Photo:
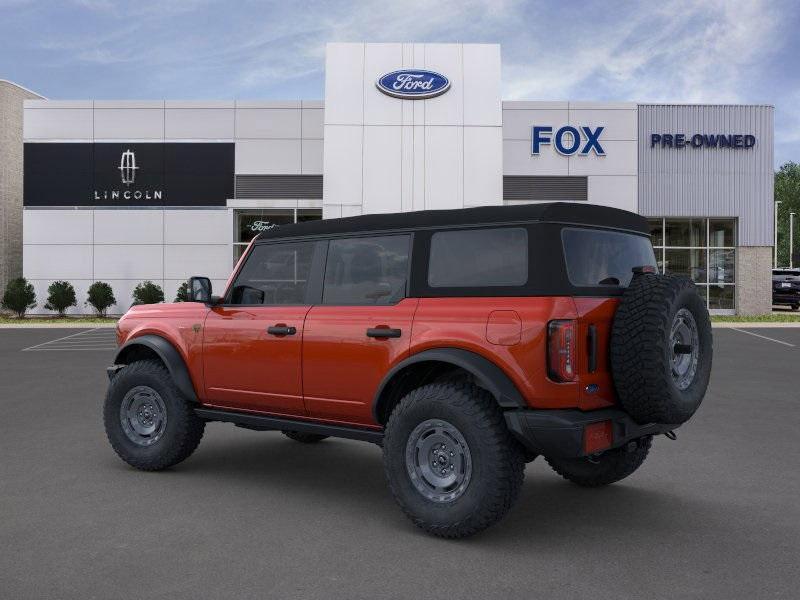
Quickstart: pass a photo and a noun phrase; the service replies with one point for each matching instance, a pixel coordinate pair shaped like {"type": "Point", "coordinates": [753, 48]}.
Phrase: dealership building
{"type": "Point", "coordinates": [127, 191]}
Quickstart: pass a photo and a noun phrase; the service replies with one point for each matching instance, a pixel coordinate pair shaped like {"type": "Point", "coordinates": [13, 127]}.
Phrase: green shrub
{"type": "Point", "coordinates": [60, 296]}
{"type": "Point", "coordinates": [148, 292]}
{"type": "Point", "coordinates": [100, 297]}
{"type": "Point", "coordinates": [183, 293]}
{"type": "Point", "coordinates": [19, 296]}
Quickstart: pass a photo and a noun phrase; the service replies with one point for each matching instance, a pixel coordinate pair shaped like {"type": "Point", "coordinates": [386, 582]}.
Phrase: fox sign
{"type": "Point", "coordinates": [568, 140]}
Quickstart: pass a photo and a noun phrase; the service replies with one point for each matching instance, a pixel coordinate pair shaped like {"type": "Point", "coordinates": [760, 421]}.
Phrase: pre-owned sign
{"type": "Point", "coordinates": [702, 140]}
{"type": "Point", "coordinates": [128, 174]}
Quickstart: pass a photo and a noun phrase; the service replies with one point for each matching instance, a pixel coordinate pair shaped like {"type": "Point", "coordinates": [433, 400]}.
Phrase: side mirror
{"type": "Point", "coordinates": [200, 290]}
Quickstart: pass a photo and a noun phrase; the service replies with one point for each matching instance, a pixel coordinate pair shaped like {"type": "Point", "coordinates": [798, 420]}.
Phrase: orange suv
{"type": "Point", "coordinates": [464, 342]}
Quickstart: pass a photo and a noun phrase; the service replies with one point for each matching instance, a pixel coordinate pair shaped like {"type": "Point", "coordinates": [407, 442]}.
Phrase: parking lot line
{"type": "Point", "coordinates": [91, 339]}
{"type": "Point", "coordinates": [763, 337]}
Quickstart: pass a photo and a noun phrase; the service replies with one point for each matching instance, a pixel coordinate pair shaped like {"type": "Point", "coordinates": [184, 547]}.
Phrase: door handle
{"type": "Point", "coordinates": [281, 330]}
{"type": "Point", "coordinates": [383, 332]}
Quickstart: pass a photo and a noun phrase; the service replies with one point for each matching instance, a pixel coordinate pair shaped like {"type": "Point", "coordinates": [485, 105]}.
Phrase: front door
{"type": "Point", "coordinates": [360, 330]}
{"type": "Point", "coordinates": [252, 343]}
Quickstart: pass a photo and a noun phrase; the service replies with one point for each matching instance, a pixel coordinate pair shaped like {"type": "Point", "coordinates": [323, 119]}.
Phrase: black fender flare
{"type": "Point", "coordinates": [489, 375]}
{"type": "Point", "coordinates": [171, 358]}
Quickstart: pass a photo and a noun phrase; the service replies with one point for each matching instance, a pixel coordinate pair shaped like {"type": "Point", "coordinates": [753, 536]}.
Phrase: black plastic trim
{"type": "Point", "coordinates": [169, 355]}
{"type": "Point", "coordinates": [489, 375]}
{"type": "Point", "coordinates": [264, 422]}
{"type": "Point", "coordinates": [559, 432]}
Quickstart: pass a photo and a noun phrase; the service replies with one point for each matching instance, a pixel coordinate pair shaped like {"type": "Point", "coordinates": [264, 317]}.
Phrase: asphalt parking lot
{"type": "Point", "coordinates": [255, 515]}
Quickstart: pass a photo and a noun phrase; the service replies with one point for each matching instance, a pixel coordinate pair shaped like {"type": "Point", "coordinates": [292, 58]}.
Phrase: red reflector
{"type": "Point", "coordinates": [598, 436]}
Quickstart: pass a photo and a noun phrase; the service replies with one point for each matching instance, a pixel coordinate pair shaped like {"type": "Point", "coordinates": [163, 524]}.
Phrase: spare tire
{"type": "Point", "coordinates": [661, 349]}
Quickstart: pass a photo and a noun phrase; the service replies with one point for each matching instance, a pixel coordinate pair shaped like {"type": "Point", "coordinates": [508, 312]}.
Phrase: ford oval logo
{"type": "Point", "coordinates": [413, 84]}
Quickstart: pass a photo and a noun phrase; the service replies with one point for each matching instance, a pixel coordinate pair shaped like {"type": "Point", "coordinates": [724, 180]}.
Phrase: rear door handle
{"type": "Point", "coordinates": [383, 332]}
{"type": "Point", "coordinates": [281, 330]}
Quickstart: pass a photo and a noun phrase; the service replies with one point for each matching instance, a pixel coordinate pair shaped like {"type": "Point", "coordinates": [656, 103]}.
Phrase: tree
{"type": "Point", "coordinates": [148, 292]}
{"type": "Point", "coordinates": [19, 296]}
{"type": "Point", "coordinates": [787, 191]}
{"type": "Point", "coordinates": [100, 297]}
{"type": "Point", "coordinates": [183, 293]}
{"type": "Point", "coordinates": [60, 296]}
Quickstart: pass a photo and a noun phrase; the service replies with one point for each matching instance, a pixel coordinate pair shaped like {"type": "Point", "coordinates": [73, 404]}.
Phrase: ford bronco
{"type": "Point", "coordinates": [463, 342]}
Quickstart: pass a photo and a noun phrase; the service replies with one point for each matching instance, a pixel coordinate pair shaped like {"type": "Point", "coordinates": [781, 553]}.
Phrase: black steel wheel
{"type": "Point", "coordinates": [451, 463]}
{"type": "Point", "coordinates": [148, 422]}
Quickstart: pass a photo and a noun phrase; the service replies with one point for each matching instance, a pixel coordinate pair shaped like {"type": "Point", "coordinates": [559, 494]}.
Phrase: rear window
{"type": "Point", "coordinates": [479, 258]}
{"type": "Point", "coordinates": [783, 273]}
{"type": "Point", "coordinates": [599, 258]}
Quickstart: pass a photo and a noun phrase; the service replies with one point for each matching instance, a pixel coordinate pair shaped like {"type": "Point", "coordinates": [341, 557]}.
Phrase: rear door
{"type": "Point", "coordinates": [361, 329]}
{"type": "Point", "coordinates": [252, 343]}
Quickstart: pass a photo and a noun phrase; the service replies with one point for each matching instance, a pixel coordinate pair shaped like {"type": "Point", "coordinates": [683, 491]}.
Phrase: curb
{"type": "Point", "coordinates": [756, 325]}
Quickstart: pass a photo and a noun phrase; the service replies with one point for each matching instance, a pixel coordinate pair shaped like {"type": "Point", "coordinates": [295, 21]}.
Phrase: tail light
{"type": "Point", "coordinates": [561, 350]}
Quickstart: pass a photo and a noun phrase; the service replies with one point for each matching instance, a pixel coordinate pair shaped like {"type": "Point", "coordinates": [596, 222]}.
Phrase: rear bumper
{"type": "Point", "coordinates": [560, 432]}
{"type": "Point", "coordinates": [785, 298]}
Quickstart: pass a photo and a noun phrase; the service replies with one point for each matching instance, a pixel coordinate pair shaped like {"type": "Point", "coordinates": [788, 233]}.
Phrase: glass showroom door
{"type": "Point", "coordinates": [249, 223]}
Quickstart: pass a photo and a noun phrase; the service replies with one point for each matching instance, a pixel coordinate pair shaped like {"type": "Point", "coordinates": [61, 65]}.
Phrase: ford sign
{"type": "Point", "coordinates": [413, 84]}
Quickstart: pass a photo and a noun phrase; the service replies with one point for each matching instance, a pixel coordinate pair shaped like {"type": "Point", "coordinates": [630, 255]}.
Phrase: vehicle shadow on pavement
{"type": "Point", "coordinates": [349, 475]}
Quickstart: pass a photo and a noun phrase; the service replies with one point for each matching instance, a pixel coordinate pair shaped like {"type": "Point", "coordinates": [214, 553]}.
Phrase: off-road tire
{"type": "Point", "coordinates": [305, 438]}
{"type": "Point", "coordinates": [497, 462]}
{"type": "Point", "coordinates": [183, 429]}
{"type": "Point", "coordinates": [609, 467]}
{"type": "Point", "coordinates": [641, 349]}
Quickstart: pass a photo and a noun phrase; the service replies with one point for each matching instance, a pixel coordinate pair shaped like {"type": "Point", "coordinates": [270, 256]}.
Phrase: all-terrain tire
{"type": "Point", "coordinates": [305, 438]}
{"type": "Point", "coordinates": [609, 467]}
{"type": "Point", "coordinates": [182, 430]}
{"type": "Point", "coordinates": [642, 349]}
{"type": "Point", "coordinates": [497, 465]}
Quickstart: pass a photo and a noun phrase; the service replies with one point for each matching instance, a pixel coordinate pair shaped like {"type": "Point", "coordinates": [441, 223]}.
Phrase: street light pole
{"type": "Point", "coordinates": [791, 238]}
{"type": "Point", "coordinates": [777, 202]}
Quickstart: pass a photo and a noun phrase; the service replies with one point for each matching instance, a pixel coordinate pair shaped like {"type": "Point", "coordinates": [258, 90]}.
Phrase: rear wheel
{"type": "Point", "coordinates": [451, 464]}
{"type": "Point", "coordinates": [795, 306]}
{"type": "Point", "coordinates": [305, 438]}
{"type": "Point", "coordinates": [150, 425]}
{"type": "Point", "coordinates": [609, 467]}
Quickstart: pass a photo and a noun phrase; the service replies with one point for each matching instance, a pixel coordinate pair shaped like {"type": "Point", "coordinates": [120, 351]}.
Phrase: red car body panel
{"type": "Point", "coordinates": [342, 367]}
{"type": "Point", "coordinates": [330, 370]}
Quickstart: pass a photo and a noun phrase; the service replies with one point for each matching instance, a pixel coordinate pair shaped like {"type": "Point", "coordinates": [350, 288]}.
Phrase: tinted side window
{"type": "Point", "coordinates": [369, 270]}
{"type": "Point", "coordinates": [597, 258]}
{"type": "Point", "coordinates": [274, 274]}
{"type": "Point", "coordinates": [479, 258]}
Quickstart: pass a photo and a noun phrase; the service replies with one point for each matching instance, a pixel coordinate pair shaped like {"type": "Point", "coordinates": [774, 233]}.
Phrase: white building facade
{"type": "Point", "coordinates": [124, 192]}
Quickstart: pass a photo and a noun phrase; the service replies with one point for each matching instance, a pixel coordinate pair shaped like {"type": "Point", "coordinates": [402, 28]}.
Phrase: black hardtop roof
{"type": "Point", "coordinates": [548, 212]}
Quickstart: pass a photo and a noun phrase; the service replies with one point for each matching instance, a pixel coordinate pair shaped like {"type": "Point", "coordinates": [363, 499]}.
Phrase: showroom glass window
{"type": "Point", "coordinates": [249, 223]}
{"type": "Point", "coordinates": [702, 249]}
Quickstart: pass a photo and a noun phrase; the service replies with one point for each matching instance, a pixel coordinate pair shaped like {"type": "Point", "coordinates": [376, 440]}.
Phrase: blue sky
{"type": "Point", "coordinates": [669, 50]}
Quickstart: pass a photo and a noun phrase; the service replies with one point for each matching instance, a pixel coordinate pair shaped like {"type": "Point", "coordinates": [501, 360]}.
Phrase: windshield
{"type": "Point", "coordinates": [598, 258]}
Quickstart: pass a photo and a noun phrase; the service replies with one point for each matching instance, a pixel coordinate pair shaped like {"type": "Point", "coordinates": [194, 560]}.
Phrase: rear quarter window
{"type": "Point", "coordinates": [597, 258]}
{"type": "Point", "coordinates": [478, 258]}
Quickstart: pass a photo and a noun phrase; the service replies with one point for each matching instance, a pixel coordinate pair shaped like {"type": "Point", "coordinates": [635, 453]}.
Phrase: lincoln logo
{"type": "Point", "coordinates": [413, 84]}
{"type": "Point", "coordinates": [127, 174]}
{"type": "Point", "coordinates": [127, 167]}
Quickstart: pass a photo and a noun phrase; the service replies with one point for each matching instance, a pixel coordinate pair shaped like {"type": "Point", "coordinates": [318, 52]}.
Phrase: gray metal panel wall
{"type": "Point", "coordinates": [544, 187]}
{"type": "Point", "coordinates": [709, 182]}
{"type": "Point", "coordinates": [308, 187]}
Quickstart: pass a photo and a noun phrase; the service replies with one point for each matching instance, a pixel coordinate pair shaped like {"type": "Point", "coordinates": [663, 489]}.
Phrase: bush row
{"type": "Point", "coordinates": [20, 296]}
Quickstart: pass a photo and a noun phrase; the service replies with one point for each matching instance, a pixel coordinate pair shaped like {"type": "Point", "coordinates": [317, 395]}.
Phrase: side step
{"type": "Point", "coordinates": [262, 422]}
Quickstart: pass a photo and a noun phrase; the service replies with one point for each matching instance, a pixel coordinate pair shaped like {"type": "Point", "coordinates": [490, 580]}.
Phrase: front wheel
{"type": "Point", "coordinates": [451, 464]}
{"type": "Point", "coordinates": [149, 423]}
{"type": "Point", "coordinates": [609, 467]}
